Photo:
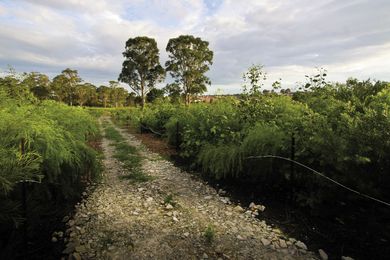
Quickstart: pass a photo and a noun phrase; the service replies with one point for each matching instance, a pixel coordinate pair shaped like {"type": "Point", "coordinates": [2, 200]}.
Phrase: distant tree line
{"type": "Point", "coordinates": [67, 87]}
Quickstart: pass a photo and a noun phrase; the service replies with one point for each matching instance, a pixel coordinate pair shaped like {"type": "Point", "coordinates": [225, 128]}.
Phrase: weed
{"type": "Point", "coordinates": [137, 176]}
{"type": "Point", "coordinates": [209, 234]}
{"type": "Point", "coordinates": [169, 200]}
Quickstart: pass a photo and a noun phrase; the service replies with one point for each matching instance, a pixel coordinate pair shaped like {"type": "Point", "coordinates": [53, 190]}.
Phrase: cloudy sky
{"type": "Point", "coordinates": [349, 38]}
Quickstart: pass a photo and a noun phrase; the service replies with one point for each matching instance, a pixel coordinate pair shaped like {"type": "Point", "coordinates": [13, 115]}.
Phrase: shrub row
{"type": "Point", "coordinates": [49, 145]}
{"type": "Point", "coordinates": [341, 130]}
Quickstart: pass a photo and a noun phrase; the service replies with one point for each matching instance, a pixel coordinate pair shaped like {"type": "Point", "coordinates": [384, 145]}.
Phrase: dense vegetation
{"type": "Point", "coordinates": [46, 159]}
{"type": "Point", "coordinates": [341, 130]}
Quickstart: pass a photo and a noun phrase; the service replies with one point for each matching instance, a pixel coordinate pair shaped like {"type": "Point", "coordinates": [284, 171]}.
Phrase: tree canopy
{"type": "Point", "coordinates": [189, 60]}
{"type": "Point", "coordinates": [70, 80]}
{"type": "Point", "coordinates": [141, 68]}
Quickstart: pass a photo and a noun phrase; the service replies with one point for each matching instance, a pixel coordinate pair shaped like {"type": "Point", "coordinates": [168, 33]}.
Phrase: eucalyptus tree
{"type": "Point", "coordinates": [38, 83]}
{"type": "Point", "coordinates": [85, 93]}
{"type": "Point", "coordinates": [65, 84]}
{"type": "Point", "coordinates": [141, 69]}
{"type": "Point", "coordinates": [104, 93]}
{"type": "Point", "coordinates": [189, 59]}
{"type": "Point", "coordinates": [118, 94]}
{"type": "Point", "coordinates": [56, 86]}
{"type": "Point", "coordinates": [72, 79]}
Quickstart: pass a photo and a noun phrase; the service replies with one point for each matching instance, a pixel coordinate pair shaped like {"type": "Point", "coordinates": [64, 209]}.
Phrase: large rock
{"type": "Point", "coordinates": [239, 209]}
{"type": "Point", "coordinates": [282, 243]}
{"type": "Point", "coordinates": [225, 200]}
{"type": "Point", "coordinates": [265, 242]}
{"type": "Point", "coordinates": [255, 207]}
{"type": "Point", "coordinates": [301, 245]}
{"type": "Point", "coordinates": [221, 192]}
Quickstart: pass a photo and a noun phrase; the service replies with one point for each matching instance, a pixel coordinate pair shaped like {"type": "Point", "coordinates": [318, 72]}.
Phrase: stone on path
{"type": "Point", "coordinates": [323, 255]}
{"type": "Point", "coordinates": [301, 245]}
{"type": "Point", "coordinates": [239, 209]}
{"type": "Point", "coordinates": [265, 242]}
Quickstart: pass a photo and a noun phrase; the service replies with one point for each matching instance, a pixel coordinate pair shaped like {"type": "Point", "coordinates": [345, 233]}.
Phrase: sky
{"type": "Point", "coordinates": [290, 38]}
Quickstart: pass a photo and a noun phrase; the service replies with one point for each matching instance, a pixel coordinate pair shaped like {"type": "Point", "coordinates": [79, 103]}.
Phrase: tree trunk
{"type": "Point", "coordinates": [186, 94]}
{"type": "Point", "coordinates": [143, 94]}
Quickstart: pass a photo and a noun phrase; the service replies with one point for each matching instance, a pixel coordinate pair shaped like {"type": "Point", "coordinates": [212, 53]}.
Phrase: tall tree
{"type": "Point", "coordinates": [65, 85]}
{"type": "Point", "coordinates": [118, 94]}
{"type": "Point", "coordinates": [11, 83]}
{"type": "Point", "coordinates": [141, 68]}
{"type": "Point", "coordinates": [104, 94]}
{"type": "Point", "coordinates": [85, 93]}
{"type": "Point", "coordinates": [39, 84]}
{"type": "Point", "coordinates": [189, 60]}
{"type": "Point", "coordinates": [59, 92]}
{"type": "Point", "coordinates": [72, 79]}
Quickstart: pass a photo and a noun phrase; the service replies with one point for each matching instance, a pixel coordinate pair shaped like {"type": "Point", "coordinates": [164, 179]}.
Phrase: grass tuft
{"type": "Point", "coordinates": [209, 234]}
{"type": "Point", "coordinates": [169, 200]}
{"type": "Point", "coordinates": [128, 155]}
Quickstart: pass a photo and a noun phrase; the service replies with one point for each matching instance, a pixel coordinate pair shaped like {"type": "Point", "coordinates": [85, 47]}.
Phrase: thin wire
{"type": "Point", "coordinates": [322, 175]}
{"type": "Point", "coordinates": [30, 181]}
{"type": "Point", "coordinates": [154, 132]}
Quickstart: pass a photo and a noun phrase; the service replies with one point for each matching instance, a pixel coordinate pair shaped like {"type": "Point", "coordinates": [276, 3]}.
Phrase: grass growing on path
{"type": "Point", "coordinates": [128, 155]}
{"type": "Point", "coordinates": [113, 134]}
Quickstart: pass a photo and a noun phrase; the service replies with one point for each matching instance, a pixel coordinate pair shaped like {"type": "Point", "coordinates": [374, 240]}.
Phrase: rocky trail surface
{"type": "Point", "coordinates": [172, 216]}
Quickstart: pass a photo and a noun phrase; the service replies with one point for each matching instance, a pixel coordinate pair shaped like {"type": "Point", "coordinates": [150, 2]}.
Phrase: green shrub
{"type": "Point", "coordinates": [54, 139]}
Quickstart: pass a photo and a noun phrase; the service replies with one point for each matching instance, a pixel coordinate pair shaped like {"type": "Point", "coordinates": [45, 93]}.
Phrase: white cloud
{"type": "Point", "coordinates": [349, 38]}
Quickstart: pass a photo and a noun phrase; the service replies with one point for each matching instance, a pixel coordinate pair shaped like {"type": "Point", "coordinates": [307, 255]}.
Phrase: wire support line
{"type": "Point", "coordinates": [153, 131]}
{"type": "Point", "coordinates": [321, 175]}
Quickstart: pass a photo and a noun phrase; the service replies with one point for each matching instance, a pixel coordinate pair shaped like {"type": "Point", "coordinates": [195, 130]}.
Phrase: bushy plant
{"type": "Point", "coordinates": [338, 129]}
{"type": "Point", "coordinates": [48, 142]}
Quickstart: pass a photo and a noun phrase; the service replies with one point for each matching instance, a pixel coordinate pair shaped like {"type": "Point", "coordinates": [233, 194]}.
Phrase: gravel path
{"type": "Point", "coordinates": [173, 216]}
